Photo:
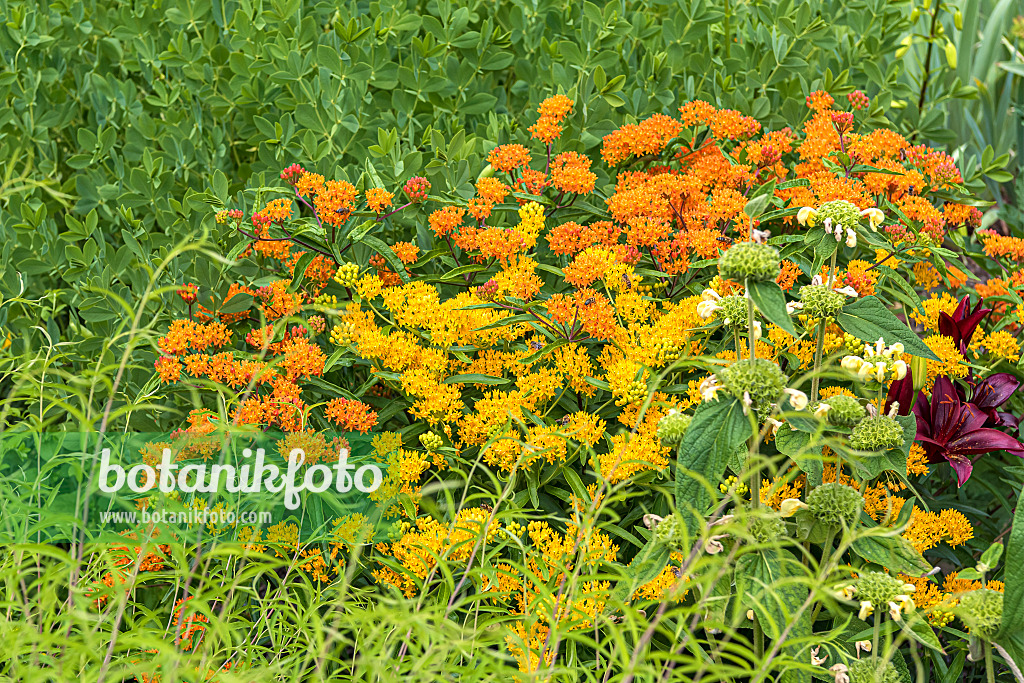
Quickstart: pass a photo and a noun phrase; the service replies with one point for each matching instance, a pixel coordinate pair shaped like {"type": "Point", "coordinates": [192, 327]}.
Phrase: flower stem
{"type": "Point", "coordinates": [990, 670]}
{"type": "Point", "coordinates": [818, 352]}
{"type": "Point", "coordinates": [750, 326]}
{"type": "Point", "coordinates": [875, 633]}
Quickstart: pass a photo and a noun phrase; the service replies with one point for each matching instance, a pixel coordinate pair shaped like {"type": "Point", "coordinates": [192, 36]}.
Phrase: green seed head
{"type": "Point", "coordinates": [734, 310]}
{"type": "Point", "coordinates": [766, 529]}
{"type": "Point", "coordinates": [835, 504]}
{"type": "Point", "coordinates": [981, 611]}
{"type": "Point", "coordinates": [878, 433]}
{"type": "Point", "coordinates": [673, 426]}
{"type": "Point", "coordinates": [762, 379]}
{"type": "Point", "coordinates": [846, 411]}
{"type": "Point", "coordinates": [750, 261]}
{"type": "Point", "coordinates": [872, 671]}
{"type": "Point", "coordinates": [878, 588]}
{"type": "Point", "coordinates": [841, 212]}
{"type": "Point", "coordinates": [820, 301]}
{"type": "Point", "coordinates": [671, 531]}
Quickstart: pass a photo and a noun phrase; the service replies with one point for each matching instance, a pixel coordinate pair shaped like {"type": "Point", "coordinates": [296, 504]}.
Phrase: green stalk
{"type": "Point", "coordinates": [875, 634]}
{"type": "Point", "coordinates": [755, 492]}
{"type": "Point", "coordinates": [819, 350]}
{"type": "Point", "coordinates": [750, 326]}
{"type": "Point", "coordinates": [990, 670]}
{"type": "Point", "coordinates": [758, 639]}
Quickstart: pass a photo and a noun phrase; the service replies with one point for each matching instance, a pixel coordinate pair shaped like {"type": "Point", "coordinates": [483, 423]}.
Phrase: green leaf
{"type": "Point", "coordinates": [389, 255]}
{"type": "Point", "coordinates": [918, 628]}
{"type": "Point", "coordinates": [236, 304]}
{"type": "Point", "coordinates": [1013, 597]}
{"type": "Point", "coordinates": [797, 445]}
{"type": "Point", "coordinates": [473, 378]}
{"type": "Point", "coordinates": [299, 272]}
{"type": "Point", "coordinates": [771, 301]}
{"type": "Point", "coordinates": [892, 552]}
{"type": "Point", "coordinates": [644, 567]}
{"type": "Point", "coordinates": [868, 320]}
{"type": "Point", "coordinates": [765, 580]}
{"type": "Point", "coordinates": [717, 430]}
{"type": "Point", "coordinates": [534, 357]}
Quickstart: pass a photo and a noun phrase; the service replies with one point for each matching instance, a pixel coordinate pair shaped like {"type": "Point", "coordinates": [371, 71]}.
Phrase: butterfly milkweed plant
{"type": "Point", "coordinates": [671, 407]}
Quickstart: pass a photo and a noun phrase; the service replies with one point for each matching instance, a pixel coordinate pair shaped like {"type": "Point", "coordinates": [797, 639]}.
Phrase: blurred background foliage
{"type": "Point", "coordinates": [126, 122]}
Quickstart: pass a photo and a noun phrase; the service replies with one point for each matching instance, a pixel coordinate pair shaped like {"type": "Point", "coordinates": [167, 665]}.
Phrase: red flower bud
{"type": "Point", "coordinates": [416, 189]}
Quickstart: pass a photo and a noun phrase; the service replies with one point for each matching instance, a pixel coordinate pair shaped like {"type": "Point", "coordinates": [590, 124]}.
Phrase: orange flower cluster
{"type": "Point", "coordinates": [650, 136]}
{"type": "Point", "coordinates": [552, 112]}
{"type": "Point", "coordinates": [570, 173]}
{"type": "Point", "coordinates": [353, 416]}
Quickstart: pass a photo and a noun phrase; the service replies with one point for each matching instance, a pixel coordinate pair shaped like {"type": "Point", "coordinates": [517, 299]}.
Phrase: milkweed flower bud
{"type": "Point", "coordinates": [431, 441]}
{"type": "Point", "coordinates": [835, 504]}
{"type": "Point", "coordinates": [347, 275]}
{"type": "Point", "coordinates": [750, 261]}
{"type": "Point", "coordinates": [416, 189]}
{"type": "Point", "coordinates": [877, 433]}
{"type": "Point", "coordinates": [188, 293]}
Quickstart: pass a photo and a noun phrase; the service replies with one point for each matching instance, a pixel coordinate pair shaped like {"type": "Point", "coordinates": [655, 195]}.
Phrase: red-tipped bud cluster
{"type": "Point", "coordinates": [488, 290]}
{"type": "Point", "coordinates": [317, 323]}
{"type": "Point", "coordinates": [946, 173]}
{"type": "Point", "coordinates": [260, 220]}
{"type": "Point", "coordinates": [858, 100]}
{"type": "Point", "coordinates": [225, 215]}
{"type": "Point", "coordinates": [188, 293]}
{"type": "Point", "coordinates": [416, 189]}
{"type": "Point", "coordinates": [843, 121]}
{"type": "Point", "coordinates": [974, 217]}
{"type": "Point", "coordinates": [770, 156]}
{"type": "Point", "coordinates": [292, 173]}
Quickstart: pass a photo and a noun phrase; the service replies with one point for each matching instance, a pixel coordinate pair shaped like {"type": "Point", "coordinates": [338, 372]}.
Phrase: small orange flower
{"type": "Point", "coordinates": [378, 199]}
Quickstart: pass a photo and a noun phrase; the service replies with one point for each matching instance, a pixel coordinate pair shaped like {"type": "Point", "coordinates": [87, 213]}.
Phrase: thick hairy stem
{"type": "Point", "coordinates": [990, 669]}
{"type": "Point", "coordinates": [1009, 662]}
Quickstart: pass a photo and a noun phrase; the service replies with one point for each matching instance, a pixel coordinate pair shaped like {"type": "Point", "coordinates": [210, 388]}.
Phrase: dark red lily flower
{"type": "Point", "coordinates": [962, 324]}
{"type": "Point", "coordinates": [901, 391]}
{"type": "Point", "coordinates": [992, 392]}
{"type": "Point", "coordinates": [952, 430]}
